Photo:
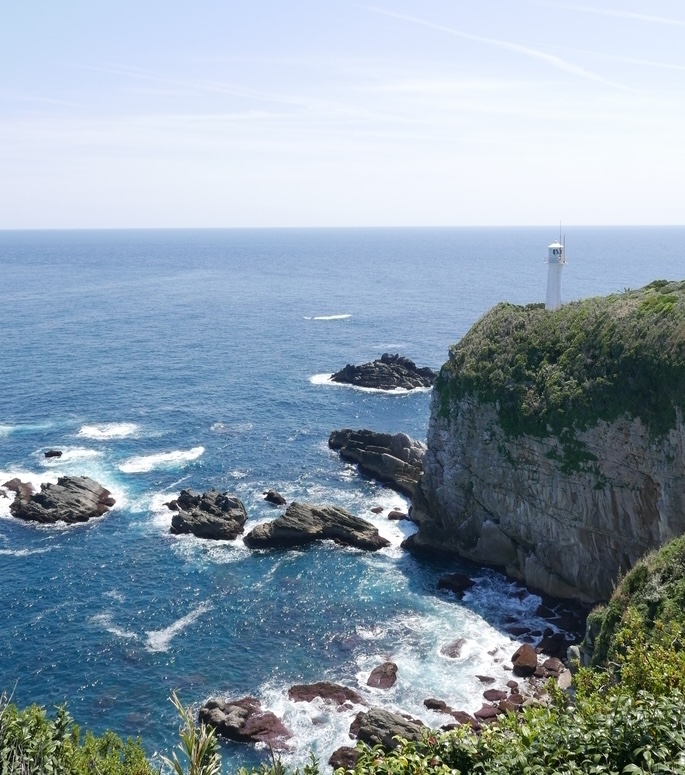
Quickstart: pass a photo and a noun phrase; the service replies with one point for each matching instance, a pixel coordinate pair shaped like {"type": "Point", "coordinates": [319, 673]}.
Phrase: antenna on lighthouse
{"type": "Point", "coordinates": [556, 260]}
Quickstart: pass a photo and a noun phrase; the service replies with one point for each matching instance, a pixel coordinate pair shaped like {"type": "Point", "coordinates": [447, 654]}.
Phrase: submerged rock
{"type": "Point", "coordinates": [303, 523]}
{"type": "Point", "coordinates": [395, 460]}
{"type": "Point", "coordinates": [456, 582]}
{"type": "Point", "coordinates": [389, 372]}
{"type": "Point", "coordinates": [326, 691]}
{"type": "Point", "coordinates": [454, 648]}
{"type": "Point", "coordinates": [213, 515]}
{"type": "Point", "coordinates": [244, 721]}
{"type": "Point", "coordinates": [72, 499]}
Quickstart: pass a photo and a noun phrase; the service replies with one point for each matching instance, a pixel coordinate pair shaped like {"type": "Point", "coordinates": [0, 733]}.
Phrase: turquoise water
{"type": "Point", "coordinates": [158, 360]}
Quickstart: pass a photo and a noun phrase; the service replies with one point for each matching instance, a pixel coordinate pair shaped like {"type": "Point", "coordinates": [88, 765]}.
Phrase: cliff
{"type": "Point", "coordinates": [556, 440]}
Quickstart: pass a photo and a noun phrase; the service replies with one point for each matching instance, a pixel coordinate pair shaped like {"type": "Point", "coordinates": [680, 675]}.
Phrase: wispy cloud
{"type": "Point", "coordinates": [615, 58]}
{"type": "Point", "coordinates": [639, 17]}
{"type": "Point", "coordinates": [550, 59]}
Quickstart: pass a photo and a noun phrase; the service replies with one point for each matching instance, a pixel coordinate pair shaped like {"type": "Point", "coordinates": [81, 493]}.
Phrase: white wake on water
{"type": "Point", "coordinates": [327, 317]}
{"type": "Point", "coordinates": [159, 640]}
{"type": "Point", "coordinates": [325, 379]}
{"type": "Point", "coordinates": [141, 464]}
{"type": "Point", "coordinates": [105, 620]}
{"type": "Point", "coordinates": [108, 430]}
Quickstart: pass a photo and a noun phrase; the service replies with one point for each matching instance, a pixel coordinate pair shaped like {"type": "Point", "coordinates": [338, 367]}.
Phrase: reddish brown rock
{"type": "Point", "coordinates": [486, 679]}
{"type": "Point", "coordinates": [487, 713]}
{"type": "Point", "coordinates": [345, 757]}
{"type": "Point", "coordinates": [384, 676]}
{"type": "Point", "coordinates": [326, 690]}
{"type": "Point", "coordinates": [493, 695]}
{"type": "Point", "coordinates": [244, 721]}
{"type": "Point", "coordinates": [397, 515]}
{"type": "Point", "coordinates": [377, 510]}
{"type": "Point", "coordinates": [525, 661]}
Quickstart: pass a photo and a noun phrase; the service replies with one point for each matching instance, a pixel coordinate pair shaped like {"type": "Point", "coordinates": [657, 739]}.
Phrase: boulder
{"type": "Point", "coordinates": [389, 372]}
{"type": "Point", "coordinates": [494, 695]}
{"type": "Point", "coordinates": [454, 648]}
{"type": "Point", "coordinates": [72, 499]}
{"type": "Point", "coordinates": [456, 582]}
{"type": "Point", "coordinates": [397, 516]}
{"type": "Point", "coordinates": [525, 661]}
{"type": "Point", "coordinates": [345, 757]}
{"type": "Point", "coordinates": [303, 523]}
{"type": "Point", "coordinates": [327, 691]}
{"type": "Point", "coordinates": [23, 489]}
{"type": "Point", "coordinates": [271, 496]}
{"type": "Point", "coordinates": [377, 510]}
{"type": "Point", "coordinates": [395, 460]}
{"type": "Point", "coordinates": [213, 515]}
{"type": "Point", "coordinates": [486, 679]}
{"type": "Point", "coordinates": [244, 721]}
{"type": "Point", "coordinates": [384, 676]}
{"type": "Point", "coordinates": [487, 713]}
{"type": "Point", "coordinates": [555, 645]}
{"type": "Point", "coordinates": [53, 453]}
{"type": "Point", "coordinates": [381, 727]}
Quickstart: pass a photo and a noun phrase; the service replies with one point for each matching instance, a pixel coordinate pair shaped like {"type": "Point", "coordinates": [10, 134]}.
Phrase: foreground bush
{"type": "Point", "coordinates": [33, 744]}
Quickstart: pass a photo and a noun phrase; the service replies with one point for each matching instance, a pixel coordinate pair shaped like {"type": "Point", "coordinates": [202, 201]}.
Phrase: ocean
{"type": "Point", "coordinates": [160, 360]}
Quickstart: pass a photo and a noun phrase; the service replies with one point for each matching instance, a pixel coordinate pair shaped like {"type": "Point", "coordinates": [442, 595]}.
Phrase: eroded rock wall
{"type": "Point", "coordinates": [506, 500]}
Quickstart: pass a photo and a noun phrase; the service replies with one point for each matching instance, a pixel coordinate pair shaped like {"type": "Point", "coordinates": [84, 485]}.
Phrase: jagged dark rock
{"type": "Point", "coordinates": [213, 515]}
{"type": "Point", "coordinates": [380, 727]}
{"type": "Point", "coordinates": [326, 690]}
{"type": "Point", "coordinates": [244, 721]}
{"type": "Point", "coordinates": [271, 496]}
{"type": "Point", "coordinates": [303, 523]}
{"type": "Point", "coordinates": [456, 582]}
{"type": "Point", "coordinates": [53, 453]}
{"type": "Point", "coordinates": [384, 676]}
{"type": "Point", "coordinates": [395, 460]}
{"type": "Point", "coordinates": [72, 499]}
{"type": "Point", "coordinates": [389, 372]}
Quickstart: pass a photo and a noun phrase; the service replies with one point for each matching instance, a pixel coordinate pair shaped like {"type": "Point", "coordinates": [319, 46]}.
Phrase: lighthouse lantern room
{"type": "Point", "coordinates": [556, 260]}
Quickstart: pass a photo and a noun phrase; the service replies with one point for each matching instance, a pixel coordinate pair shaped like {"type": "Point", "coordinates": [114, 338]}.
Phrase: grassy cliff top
{"type": "Point", "coordinates": [596, 359]}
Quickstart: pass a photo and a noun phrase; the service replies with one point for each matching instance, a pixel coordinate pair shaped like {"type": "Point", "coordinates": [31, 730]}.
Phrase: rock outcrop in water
{"type": "Point", "coordinates": [303, 523]}
{"type": "Point", "coordinates": [556, 446]}
{"type": "Point", "coordinates": [389, 372]}
{"type": "Point", "coordinates": [381, 727]}
{"type": "Point", "coordinates": [72, 499]}
{"type": "Point", "coordinates": [394, 459]}
{"type": "Point", "coordinates": [213, 515]}
{"type": "Point", "coordinates": [244, 721]}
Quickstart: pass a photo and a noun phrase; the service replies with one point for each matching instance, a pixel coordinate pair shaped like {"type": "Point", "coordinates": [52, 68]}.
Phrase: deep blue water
{"type": "Point", "coordinates": [166, 359]}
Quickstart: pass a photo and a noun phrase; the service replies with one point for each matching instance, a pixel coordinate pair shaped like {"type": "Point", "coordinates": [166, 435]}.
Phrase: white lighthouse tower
{"type": "Point", "coordinates": [556, 260]}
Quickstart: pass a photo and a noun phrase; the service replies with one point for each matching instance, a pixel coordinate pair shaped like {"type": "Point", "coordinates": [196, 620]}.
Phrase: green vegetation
{"type": "Point", "coordinates": [556, 373]}
{"type": "Point", "coordinates": [33, 744]}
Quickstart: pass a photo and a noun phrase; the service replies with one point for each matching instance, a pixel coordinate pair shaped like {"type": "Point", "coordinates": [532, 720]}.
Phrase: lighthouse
{"type": "Point", "coordinates": [556, 259]}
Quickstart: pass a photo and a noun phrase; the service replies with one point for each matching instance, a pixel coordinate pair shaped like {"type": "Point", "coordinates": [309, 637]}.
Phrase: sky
{"type": "Point", "coordinates": [264, 113]}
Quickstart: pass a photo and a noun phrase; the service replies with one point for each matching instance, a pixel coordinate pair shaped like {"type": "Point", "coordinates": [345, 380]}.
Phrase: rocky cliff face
{"type": "Point", "coordinates": [556, 446]}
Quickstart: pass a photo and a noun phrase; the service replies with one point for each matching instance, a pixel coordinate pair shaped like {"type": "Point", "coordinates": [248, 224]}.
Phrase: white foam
{"type": "Point", "coordinates": [5, 430]}
{"type": "Point", "coordinates": [23, 552]}
{"type": "Point", "coordinates": [327, 317]}
{"type": "Point", "coordinates": [69, 455]}
{"type": "Point", "coordinates": [325, 379]}
{"type": "Point", "coordinates": [159, 640]}
{"type": "Point", "coordinates": [143, 463]}
{"type": "Point", "coordinates": [222, 427]}
{"type": "Point", "coordinates": [105, 620]}
{"type": "Point", "coordinates": [108, 430]}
